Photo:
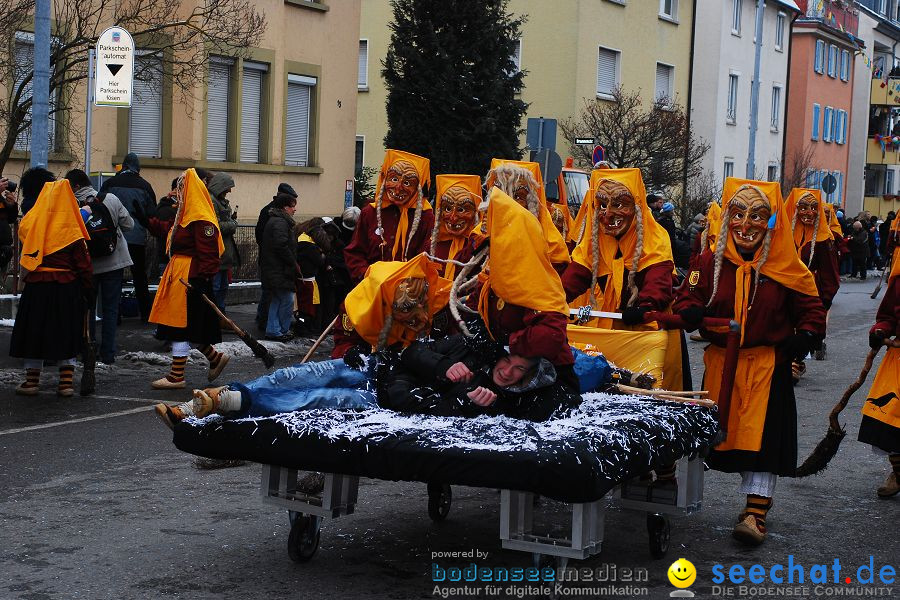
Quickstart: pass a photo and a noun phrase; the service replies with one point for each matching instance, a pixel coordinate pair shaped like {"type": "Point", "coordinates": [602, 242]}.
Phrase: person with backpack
{"type": "Point", "coordinates": [109, 256]}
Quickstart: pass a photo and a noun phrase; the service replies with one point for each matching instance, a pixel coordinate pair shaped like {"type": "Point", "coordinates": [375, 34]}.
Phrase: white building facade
{"type": "Point", "coordinates": [724, 55]}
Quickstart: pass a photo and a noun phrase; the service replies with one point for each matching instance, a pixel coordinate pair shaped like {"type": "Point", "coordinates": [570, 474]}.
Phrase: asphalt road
{"type": "Point", "coordinates": [96, 502]}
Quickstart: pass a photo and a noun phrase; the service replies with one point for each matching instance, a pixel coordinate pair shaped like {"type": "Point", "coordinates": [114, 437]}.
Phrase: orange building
{"type": "Point", "coordinates": [820, 95]}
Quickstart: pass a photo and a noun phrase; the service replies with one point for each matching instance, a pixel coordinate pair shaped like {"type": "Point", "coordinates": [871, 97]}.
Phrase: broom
{"type": "Point", "coordinates": [88, 359]}
{"type": "Point", "coordinates": [258, 349]}
{"type": "Point", "coordinates": [827, 448]}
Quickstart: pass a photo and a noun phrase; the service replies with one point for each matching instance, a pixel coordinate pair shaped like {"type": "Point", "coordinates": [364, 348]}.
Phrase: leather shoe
{"type": "Point", "coordinates": [164, 384]}
{"type": "Point", "coordinates": [891, 487]}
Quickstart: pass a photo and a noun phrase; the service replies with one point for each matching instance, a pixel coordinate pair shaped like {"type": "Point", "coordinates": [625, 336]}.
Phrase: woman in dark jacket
{"type": "Point", "coordinates": [278, 266]}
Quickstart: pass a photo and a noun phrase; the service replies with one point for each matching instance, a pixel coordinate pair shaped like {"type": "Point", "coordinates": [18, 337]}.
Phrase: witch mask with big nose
{"type": "Point", "coordinates": [458, 211]}
{"type": "Point", "coordinates": [615, 206]}
{"type": "Point", "coordinates": [749, 212]}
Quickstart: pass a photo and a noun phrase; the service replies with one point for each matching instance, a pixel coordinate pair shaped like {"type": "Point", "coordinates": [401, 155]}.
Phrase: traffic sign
{"type": "Point", "coordinates": [114, 79]}
{"type": "Point", "coordinates": [584, 141]}
{"type": "Point", "coordinates": [599, 154]}
{"type": "Point", "coordinates": [829, 184]}
{"type": "Point", "coordinates": [540, 134]}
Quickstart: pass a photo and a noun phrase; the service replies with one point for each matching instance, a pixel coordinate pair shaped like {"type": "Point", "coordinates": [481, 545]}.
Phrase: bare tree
{"type": "Point", "coordinates": [656, 139]}
{"type": "Point", "coordinates": [181, 33]}
{"type": "Point", "coordinates": [795, 167]}
{"type": "Point", "coordinates": [700, 191]}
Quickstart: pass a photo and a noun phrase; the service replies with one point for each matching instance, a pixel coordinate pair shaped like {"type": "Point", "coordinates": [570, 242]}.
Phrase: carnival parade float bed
{"type": "Point", "coordinates": [610, 440]}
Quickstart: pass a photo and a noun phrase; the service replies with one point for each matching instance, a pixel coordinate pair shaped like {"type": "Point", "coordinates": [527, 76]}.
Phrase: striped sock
{"type": "Point", "coordinates": [895, 463]}
{"type": "Point", "coordinates": [211, 355]}
{"type": "Point", "coordinates": [666, 472]}
{"type": "Point", "coordinates": [176, 373]}
{"type": "Point", "coordinates": [66, 373]}
{"type": "Point", "coordinates": [758, 506]}
{"type": "Point", "coordinates": [32, 378]}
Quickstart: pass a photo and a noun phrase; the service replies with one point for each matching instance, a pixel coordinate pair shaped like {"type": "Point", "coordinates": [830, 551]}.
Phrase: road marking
{"type": "Point", "coordinates": [81, 420]}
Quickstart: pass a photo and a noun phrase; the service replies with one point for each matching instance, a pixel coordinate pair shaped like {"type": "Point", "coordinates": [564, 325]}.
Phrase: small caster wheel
{"type": "Point", "coordinates": [439, 499]}
{"type": "Point", "coordinates": [658, 531]}
{"type": "Point", "coordinates": [304, 538]}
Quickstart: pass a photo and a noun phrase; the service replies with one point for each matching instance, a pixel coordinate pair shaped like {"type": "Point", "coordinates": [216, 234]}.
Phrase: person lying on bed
{"type": "Point", "coordinates": [460, 376]}
{"type": "Point", "coordinates": [390, 308]}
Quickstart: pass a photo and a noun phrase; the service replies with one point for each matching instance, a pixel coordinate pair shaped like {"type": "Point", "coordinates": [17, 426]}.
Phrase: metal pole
{"type": "Point", "coordinates": [89, 113]}
{"type": "Point", "coordinates": [754, 90]}
{"type": "Point", "coordinates": [40, 95]}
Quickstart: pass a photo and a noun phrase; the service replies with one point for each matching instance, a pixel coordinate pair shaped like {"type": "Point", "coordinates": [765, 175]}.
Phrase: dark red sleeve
{"type": "Point", "coordinates": [807, 313]}
{"type": "Point", "coordinates": [576, 280]}
{"type": "Point", "coordinates": [422, 239]}
{"type": "Point", "coordinates": [205, 262]}
{"type": "Point", "coordinates": [688, 295]}
{"type": "Point", "coordinates": [81, 264]}
{"type": "Point", "coordinates": [888, 314]}
{"type": "Point", "coordinates": [828, 277]}
{"type": "Point", "coordinates": [656, 288]}
{"type": "Point", "coordinates": [357, 251]}
{"type": "Point", "coordinates": [544, 335]}
{"type": "Point", "coordinates": [159, 228]}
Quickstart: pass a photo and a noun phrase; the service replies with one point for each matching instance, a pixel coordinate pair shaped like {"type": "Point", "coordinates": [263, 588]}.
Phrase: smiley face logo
{"type": "Point", "coordinates": [682, 573]}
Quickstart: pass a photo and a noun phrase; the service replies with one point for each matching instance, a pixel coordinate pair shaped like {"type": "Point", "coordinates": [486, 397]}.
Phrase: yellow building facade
{"type": "Point", "coordinates": [284, 113]}
{"type": "Point", "coordinates": [573, 50]}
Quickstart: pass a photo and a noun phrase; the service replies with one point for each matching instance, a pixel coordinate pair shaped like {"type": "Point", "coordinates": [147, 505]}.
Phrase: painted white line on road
{"type": "Point", "coordinates": [81, 420]}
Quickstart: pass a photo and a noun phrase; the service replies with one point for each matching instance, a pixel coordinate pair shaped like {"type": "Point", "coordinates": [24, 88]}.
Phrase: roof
{"type": "Point", "coordinates": [788, 4]}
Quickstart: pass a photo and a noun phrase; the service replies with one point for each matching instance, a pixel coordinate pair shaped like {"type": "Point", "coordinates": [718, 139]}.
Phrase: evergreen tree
{"type": "Point", "coordinates": [453, 84]}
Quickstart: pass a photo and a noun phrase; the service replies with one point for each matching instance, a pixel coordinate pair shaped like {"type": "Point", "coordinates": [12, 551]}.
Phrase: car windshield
{"type": "Point", "coordinates": [576, 187]}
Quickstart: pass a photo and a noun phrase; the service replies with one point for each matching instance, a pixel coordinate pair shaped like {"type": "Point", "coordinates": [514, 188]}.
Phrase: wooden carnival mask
{"type": "Point", "coordinates": [748, 218]}
{"type": "Point", "coordinates": [410, 306]}
{"type": "Point", "coordinates": [559, 219]}
{"type": "Point", "coordinates": [401, 183]}
{"type": "Point", "coordinates": [807, 209]}
{"type": "Point", "coordinates": [615, 207]}
{"type": "Point", "coordinates": [458, 211]}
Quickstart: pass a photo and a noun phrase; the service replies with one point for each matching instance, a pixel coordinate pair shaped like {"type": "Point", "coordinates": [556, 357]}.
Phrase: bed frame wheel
{"type": "Point", "coordinates": [304, 538]}
{"type": "Point", "coordinates": [658, 531]}
{"type": "Point", "coordinates": [440, 497]}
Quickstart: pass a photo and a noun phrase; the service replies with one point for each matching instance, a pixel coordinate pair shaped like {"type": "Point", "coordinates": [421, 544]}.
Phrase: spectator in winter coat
{"type": "Point", "coordinates": [219, 186]}
{"type": "Point", "coordinates": [278, 266]}
{"type": "Point", "coordinates": [138, 198]}
{"type": "Point", "coordinates": [108, 270]}
{"type": "Point", "coordinates": [9, 212]}
{"type": "Point", "coordinates": [262, 309]}
{"type": "Point", "coordinates": [859, 249]}
{"type": "Point", "coordinates": [883, 234]}
{"type": "Point", "coordinates": [162, 222]}
{"type": "Point", "coordinates": [872, 261]}
{"type": "Point", "coordinates": [312, 243]}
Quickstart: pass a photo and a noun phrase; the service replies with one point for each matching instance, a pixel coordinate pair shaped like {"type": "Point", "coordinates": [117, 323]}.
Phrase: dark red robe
{"type": "Point", "coordinates": [654, 284]}
{"type": "Point", "coordinates": [824, 268]}
{"type": "Point", "coordinates": [366, 248]}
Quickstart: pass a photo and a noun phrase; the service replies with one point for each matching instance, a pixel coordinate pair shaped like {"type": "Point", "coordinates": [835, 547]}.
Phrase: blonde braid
{"type": "Point", "coordinates": [437, 226]}
{"type": "Point", "coordinates": [766, 245]}
{"type": "Point", "coordinates": [638, 251]}
{"type": "Point", "coordinates": [584, 223]}
{"type": "Point", "coordinates": [794, 219]}
{"type": "Point", "coordinates": [379, 229]}
{"type": "Point", "coordinates": [595, 252]}
{"type": "Point", "coordinates": [179, 212]}
{"type": "Point", "coordinates": [385, 331]}
{"type": "Point", "coordinates": [458, 284]}
{"type": "Point", "coordinates": [720, 253]}
{"type": "Point", "coordinates": [812, 246]}
{"type": "Point", "coordinates": [415, 223]}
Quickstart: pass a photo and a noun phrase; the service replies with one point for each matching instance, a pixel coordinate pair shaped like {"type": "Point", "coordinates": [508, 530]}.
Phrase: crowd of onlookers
{"type": "Point", "coordinates": [864, 243]}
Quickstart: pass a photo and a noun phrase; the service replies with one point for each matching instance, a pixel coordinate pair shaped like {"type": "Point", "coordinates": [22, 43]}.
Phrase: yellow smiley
{"type": "Point", "coordinates": [682, 573]}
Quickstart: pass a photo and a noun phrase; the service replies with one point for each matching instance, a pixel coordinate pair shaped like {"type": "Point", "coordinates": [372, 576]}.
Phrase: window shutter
{"type": "Point", "coordinates": [145, 116]}
{"type": "Point", "coordinates": [362, 79]}
{"type": "Point", "coordinates": [218, 91]}
{"type": "Point", "coordinates": [663, 81]}
{"type": "Point", "coordinates": [606, 71]}
{"type": "Point", "coordinates": [296, 151]}
{"type": "Point", "coordinates": [23, 57]}
{"type": "Point", "coordinates": [817, 111]}
{"type": "Point", "coordinates": [251, 110]}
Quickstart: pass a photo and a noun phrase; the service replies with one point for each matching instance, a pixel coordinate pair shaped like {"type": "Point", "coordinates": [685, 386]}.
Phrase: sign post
{"type": "Point", "coordinates": [114, 76]}
{"type": "Point", "coordinates": [348, 194]}
{"type": "Point", "coordinates": [585, 141]}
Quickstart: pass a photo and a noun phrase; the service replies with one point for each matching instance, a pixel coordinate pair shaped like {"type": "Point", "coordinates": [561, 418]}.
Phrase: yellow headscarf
{"type": "Point", "coordinates": [656, 245]}
{"type": "Point", "coordinates": [369, 303]}
{"type": "Point", "coordinates": [713, 223]}
{"type": "Point", "coordinates": [804, 233]}
{"type": "Point", "coordinates": [519, 269]}
{"type": "Point", "coordinates": [472, 184]}
{"type": "Point", "coordinates": [196, 205]}
{"type": "Point", "coordinates": [53, 223]}
{"type": "Point", "coordinates": [423, 170]}
{"type": "Point", "coordinates": [782, 264]}
{"type": "Point", "coordinates": [559, 253]}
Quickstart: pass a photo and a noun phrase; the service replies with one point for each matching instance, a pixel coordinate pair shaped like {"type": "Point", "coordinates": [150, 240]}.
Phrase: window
{"type": "Point", "coordinates": [299, 118]}
{"type": "Point", "coordinates": [729, 168]}
{"type": "Point", "coordinates": [832, 60]}
{"type": "Point", "coordinates": [828, 125]}
{"type": "Point", "coordinates": [840, 126]}
{"type": "Point", "coordinates": [23, 57]}
{"type": "Point", "coordinates": [779, 32]}
{"type": "Point", "coordinates": [819, 64]}
{"type": "Point", "coordinates": [838, 196]}
{"type": "Point", "coordinates": [845, 65]}
{"type": "Point", "coordinates": [776, 108]}
{"type": "Point", "coordinates": [252, 118]}
{"type": "Point", "coordinates": [731, 112]}
{"type": "Point", "coordinates": [517, 57]}
{"type": "Point", "coordinates": [607, 72]}
{"type": "Point", "coordinates": [881, 6]}
{"type": "Point", "coordinates": [817, 112]}
{"type": "Point", "coordinates": [889, 182]}
{"type": "Point", "coordinates": [218, 108]}
{"type": "Point", "coordinates": [360, 154]}
{"type": "Point", "coordinates": [664, 78]}
{"type": "Point", "coordinates": [736, 16]}
{"type": "Point", "coordinates": [145, 115]}
{"type": "Point", "coordinates": [772, 173]}
{"type": "Point", "coordinates": [362, 77]}
{"type": "Point", "coordinates": [668, 8]}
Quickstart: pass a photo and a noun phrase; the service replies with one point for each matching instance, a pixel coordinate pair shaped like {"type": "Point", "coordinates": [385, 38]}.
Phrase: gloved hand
{"type": "Point", "coordinates": [692, 316]}
{"type": "Point", "coordinates": [356, 357]}
{"type": "Point", "coordinates": [634, 315]}
{"type": "Point", "coordinates": [876, 338]}
{"type": "Point", "coordinates": [799, 345]}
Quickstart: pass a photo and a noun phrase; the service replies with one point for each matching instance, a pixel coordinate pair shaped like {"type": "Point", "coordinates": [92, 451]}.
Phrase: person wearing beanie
{"type": "Point", "coordinates": [285, 191]}
{"type": "Point", "coordinates": [220, 185]}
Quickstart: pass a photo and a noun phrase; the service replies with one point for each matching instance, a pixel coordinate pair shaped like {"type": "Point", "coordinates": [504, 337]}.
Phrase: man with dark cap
{"type": "Point", "coordinates": [262, 309]}
{"type": "Point", "coordinates": [139, 200]}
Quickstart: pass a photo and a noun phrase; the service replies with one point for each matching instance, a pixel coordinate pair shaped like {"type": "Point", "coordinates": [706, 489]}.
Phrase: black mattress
{"type": "Point", "coordinates": [578, 458]}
